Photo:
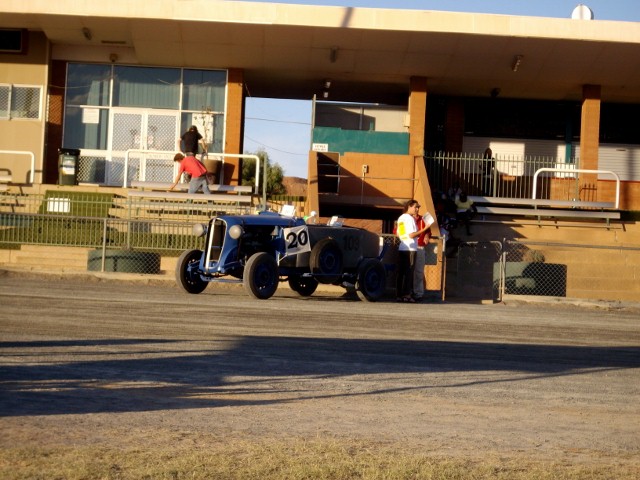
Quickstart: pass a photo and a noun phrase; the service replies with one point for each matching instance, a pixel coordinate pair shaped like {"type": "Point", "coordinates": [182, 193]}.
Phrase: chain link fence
{"type": "Point", "coordinates": [103, 225]}
{"type": "Point", "coordinates": [493, 270]}
{"type": "Point", "coordinates": [475, 269]}
{"type": "Point", "coordinates": [111, 244]}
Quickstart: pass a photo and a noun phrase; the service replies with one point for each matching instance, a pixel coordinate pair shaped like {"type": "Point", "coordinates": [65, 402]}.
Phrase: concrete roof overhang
{"type": "Point", "coordinates": [287, 51]}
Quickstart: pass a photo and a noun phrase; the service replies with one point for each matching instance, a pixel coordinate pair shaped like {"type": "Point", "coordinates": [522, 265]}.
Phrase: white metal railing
{"type": "Point", "coordinates": [578, 170]}
{"type": "Point", "coordinates": [33, 161]}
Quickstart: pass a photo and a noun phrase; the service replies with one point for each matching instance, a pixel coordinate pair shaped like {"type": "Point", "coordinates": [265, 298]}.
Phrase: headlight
{"type": "Point", "coordinates": [236, 232]}
{"type": "Point", "coordinates": [200, 230]}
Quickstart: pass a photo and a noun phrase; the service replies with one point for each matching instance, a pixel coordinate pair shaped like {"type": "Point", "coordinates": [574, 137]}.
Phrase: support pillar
{"type": "Point", "coordinates": [417, 115]}
{"type": "Point", "coordinates": [589, 141]}
{"type": "Point", "coordinates": [417, 128]}
{"type": "Point", "coordinates": [234, 126]}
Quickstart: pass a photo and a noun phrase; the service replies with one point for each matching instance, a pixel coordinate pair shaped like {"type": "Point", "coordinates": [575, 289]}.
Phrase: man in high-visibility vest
{"type": "Point", "coordinates": [408, 233]}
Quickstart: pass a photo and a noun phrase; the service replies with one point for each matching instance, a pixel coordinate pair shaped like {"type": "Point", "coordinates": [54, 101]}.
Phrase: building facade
{"type": "Point", "coordinates": [121, 84]}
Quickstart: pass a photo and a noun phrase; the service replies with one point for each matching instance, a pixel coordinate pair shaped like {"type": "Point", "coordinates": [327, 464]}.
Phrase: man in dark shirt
{"type": "Point", "coordinates": [190, 140]}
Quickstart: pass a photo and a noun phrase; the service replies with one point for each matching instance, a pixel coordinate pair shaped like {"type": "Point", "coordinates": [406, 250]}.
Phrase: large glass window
{"type": "Point", "coordinates": [210, 126]}
{"type": "Point", "coordinates": [88, 84]}
{"type": "Point", "coordinates": [146, 87]}
{"type": "Point", "coordinates": [204, 90]}
{"type": "Point", "coordinates": [86, 127]}
{"type": "Point", "coordinates": [94, 89]}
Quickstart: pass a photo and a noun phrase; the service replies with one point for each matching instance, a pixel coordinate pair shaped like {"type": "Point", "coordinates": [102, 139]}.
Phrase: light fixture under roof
{"type": "Point", "coordinates": [517, 60]}
{"type": "Point", "coordinates": [87, 33]}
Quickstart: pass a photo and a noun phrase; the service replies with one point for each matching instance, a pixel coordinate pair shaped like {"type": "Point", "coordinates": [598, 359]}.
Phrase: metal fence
{"type": "Point", "coordinates": [475, 275]}
{"type": "Point", "coordinates": [115, 245]}
{"type": "Point", "coordinates": [509, 176]}
{"type": "Point", "coordinates": [493, 270]}
{"type": "Point", "coordinates": [122, 244]}
{"type": "Point", "coordinates": [102, 224]}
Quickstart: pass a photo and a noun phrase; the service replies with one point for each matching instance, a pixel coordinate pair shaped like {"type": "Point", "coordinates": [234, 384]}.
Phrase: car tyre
{"type": "Point", "coordinates": [187, 272]}
{"type": "Point", "coordinates": [261, 276]}
{"type": "Point", "coordinates": [304, 286]}
{"type": "Point", "coordinates": [372, 280]}
{"type": "Point", "coordinates": [325, 261]}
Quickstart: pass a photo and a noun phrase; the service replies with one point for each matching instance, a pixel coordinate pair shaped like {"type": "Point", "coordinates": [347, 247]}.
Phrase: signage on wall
{"type": "Point", "coordinates": [91, 115]}
{"type": "Point", "coordinates": [320, 147]}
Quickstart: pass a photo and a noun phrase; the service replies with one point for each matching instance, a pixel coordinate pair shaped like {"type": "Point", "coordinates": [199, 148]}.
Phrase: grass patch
{"type": "Point", "coordinates": [280, 460]}
{"type": "Point", "coordinates": [89, 232]}
{"type": "Point", "coordinates": [77, 204]}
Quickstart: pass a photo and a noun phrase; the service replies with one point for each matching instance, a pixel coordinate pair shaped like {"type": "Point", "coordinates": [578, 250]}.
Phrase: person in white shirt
{"type": "Point", "coordinates": [408, 234]}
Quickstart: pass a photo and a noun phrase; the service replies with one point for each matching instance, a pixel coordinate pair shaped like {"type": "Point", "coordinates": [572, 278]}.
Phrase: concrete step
{"type": "Point", "coordinates": [51, 257]}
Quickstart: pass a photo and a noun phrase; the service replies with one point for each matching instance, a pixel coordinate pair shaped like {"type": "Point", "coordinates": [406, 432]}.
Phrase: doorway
{"type": "Point", "coordinates": [145, 134]}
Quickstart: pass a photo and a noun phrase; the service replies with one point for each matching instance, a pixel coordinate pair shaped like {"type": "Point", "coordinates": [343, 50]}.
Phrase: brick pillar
{"type": "Point", "coordinates": [234, 130]}
{"type": "Point", "coordinates": [417, 127]}
{"type": "Point", "coordinates": [589, 140]}
{"type": "Point", "coordinates": [417, 115]}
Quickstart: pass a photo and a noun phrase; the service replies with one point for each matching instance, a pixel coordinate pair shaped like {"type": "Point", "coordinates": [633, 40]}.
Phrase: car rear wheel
{"type": "Point", "coordinates": [304, 286]}
{"type": "Point", "coordinates": [261, 276]}
{"type": "Point", "coordinates": [372, 280]}
{"type": "Point", "coordinates": [187, 272]}
{"type": "Point", "coordinates": [326, 261]}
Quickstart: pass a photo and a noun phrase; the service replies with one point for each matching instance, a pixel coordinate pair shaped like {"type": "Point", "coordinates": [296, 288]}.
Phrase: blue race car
{"type": "Point", "coordinates": [264, 249]}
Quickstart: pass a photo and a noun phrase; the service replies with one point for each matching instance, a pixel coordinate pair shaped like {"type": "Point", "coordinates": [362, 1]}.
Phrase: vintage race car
{"type": "Point", "coordinates": [264, 249]}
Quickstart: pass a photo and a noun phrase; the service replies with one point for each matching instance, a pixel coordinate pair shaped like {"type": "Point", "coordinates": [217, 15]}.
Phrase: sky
{"type": "Point", "coordinates": [283, 127]}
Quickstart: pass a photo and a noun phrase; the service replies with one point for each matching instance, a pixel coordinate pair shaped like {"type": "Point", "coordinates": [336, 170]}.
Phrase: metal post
{"type": "Point", "coordinates": [104, 245]}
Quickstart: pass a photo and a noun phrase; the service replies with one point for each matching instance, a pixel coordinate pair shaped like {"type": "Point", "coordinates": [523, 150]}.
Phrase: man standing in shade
{"type": "Point", "coordinates": [190, 139]}
{"type": "Point", "coordinates": [408, 233]}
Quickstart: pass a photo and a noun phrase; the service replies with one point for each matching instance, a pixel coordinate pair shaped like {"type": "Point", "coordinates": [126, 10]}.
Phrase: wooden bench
{"type": "Point", "coordinates": [174, 202]}
{"type": "Point", "coordinates": [545, 208]}
{"type": "Point", "coordinates": [164, 186]}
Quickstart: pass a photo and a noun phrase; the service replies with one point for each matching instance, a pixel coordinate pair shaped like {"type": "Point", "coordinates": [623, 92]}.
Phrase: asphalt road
{"type": "Point", "coordinates": [87, 361]}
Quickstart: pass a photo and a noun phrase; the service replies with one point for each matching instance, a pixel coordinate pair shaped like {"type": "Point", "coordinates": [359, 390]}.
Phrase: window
{"type": "Point", "coordinates": [94, 90]}
{"type": "Point", "coordinates": [18, 101]}
{"type": "Point", "coordinates": [204, 90]}
{"type": "Point", "coordinates": [150, 87]}
{"type": "Point", "coordinates": [88, 84]}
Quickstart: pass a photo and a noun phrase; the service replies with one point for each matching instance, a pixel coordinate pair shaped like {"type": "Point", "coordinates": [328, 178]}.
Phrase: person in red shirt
{"type": "Point", "coordinates": [423, 222]}
{"type": "Point", "coordinates": [196, 169]}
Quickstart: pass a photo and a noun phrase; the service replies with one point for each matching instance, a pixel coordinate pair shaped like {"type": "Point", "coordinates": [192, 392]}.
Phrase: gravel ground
{"type": "Point", "coordinates": [84, 361]}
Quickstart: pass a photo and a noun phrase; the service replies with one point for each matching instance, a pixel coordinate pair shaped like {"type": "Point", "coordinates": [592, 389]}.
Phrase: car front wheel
{"type": "Point", "coordinates": [261, 276]}
{"type": "Point", "coordinates": [187, 272]}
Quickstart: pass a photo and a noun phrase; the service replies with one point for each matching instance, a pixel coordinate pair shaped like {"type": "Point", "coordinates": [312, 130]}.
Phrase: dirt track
{"type": "Point", "coordinates": [92, 362]}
